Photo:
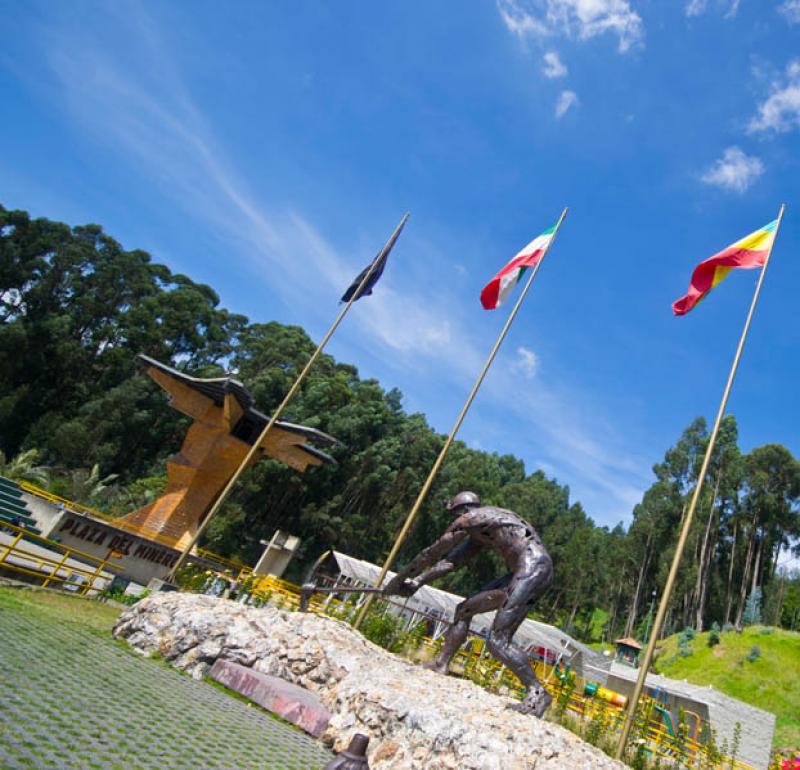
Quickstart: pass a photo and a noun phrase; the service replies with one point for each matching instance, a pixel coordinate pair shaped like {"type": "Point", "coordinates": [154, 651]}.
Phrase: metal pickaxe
{"type": "Point", "coordinates": [307, 589]}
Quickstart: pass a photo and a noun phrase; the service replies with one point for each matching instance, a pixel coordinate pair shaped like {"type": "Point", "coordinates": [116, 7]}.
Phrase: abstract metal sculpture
{"type": "Point", "coordinates": [225, 425]}
{"type": "Point", "coordinates": [477, 527]}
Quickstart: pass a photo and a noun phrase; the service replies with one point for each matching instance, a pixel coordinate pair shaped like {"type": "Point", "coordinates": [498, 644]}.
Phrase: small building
{"type": "Point", "coordinates": [628, 652]}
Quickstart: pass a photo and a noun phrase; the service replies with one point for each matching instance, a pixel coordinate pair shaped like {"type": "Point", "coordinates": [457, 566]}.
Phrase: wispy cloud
{"type": "Point", "coordinates": [734, 171]}
{"type": "Point", "coordinates": [699, 7]}
{"type": "Point", "coordinates": [791, 10]}
{"type": "Point", "coordinates": [137, 103]}
{"type": "Point", "coordinates": [780, 111]}
{"type": "Point", "coordinates": [527, 362]}
{"type": "Point", "coordinates": [576, 19]}
{"type": "Point", "coordinates": [565, 101]}
{"type": "Point", "coordinates": [553, 67]}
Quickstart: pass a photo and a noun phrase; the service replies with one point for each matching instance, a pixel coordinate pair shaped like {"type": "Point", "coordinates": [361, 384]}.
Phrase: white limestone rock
{"type": "Point", "coordinates": [414, 717]}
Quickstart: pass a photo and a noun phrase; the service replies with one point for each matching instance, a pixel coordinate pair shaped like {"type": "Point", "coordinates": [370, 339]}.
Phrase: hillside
{"type": "Point", "coordinates": [769, 681]}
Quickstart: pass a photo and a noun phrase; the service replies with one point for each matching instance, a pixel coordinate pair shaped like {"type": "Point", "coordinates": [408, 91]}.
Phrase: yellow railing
{"type": "Point", "coordinates": [237, 567]}
{"type": "Point", "coordinates": [473, 663]}
{"type": "Point", "coordinates": [68, 504]}
{"type": "Point", "coordinates": [60, 568]}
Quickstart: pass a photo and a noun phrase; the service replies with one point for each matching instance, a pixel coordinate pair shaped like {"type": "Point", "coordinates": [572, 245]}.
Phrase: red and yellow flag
{"type": "Point", "coordinates": [747, 253]}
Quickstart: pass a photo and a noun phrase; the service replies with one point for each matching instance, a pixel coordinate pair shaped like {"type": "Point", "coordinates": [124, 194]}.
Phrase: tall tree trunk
{"type": "Point", "coordinates": [572, 614]}
{"type": "Point", "coordinates": [776, 619]}
{"type": "Point", "coordinates": [631, 622]}
{"type": "Point", "coordinates": [701, 609]}
{"type": "Point", "coordinates": [757, 568]}
{"type": "Point", "coordinates": [702, 569]}
{"type": "Point", "coordinates": [746, 574]}
{"type": "Point", "coordinates": [729, 590]}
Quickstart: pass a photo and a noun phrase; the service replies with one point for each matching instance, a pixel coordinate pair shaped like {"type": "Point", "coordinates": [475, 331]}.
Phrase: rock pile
{"type": "Point", "coordinates": [417, 720]}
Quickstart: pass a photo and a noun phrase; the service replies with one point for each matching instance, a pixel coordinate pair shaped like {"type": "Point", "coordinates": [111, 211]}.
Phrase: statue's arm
{"type": "Point", "coordinates": [425, 558]}
{"type": "Point", "coordinates": [454, 560]}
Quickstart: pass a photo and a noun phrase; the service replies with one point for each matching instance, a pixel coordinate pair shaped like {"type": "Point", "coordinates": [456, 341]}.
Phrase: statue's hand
{"type": "Point", "coordinates": [401, 587]}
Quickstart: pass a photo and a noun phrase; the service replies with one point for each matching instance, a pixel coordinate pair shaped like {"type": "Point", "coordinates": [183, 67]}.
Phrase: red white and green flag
{"type": "Point", "coordinates": [496, 292]}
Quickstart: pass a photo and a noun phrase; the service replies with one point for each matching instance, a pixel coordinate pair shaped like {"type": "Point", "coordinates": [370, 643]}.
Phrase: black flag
{"type": "Point", "coordinates": [376, 266]}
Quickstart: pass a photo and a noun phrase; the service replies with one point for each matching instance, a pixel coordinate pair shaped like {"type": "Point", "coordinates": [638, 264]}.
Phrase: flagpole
{"type": "Point", "coordinates": [288, 397]}
{"type": "Point", "coordinates": [687, 522]}
{"type": "Point", "coordinates": [387, 565]}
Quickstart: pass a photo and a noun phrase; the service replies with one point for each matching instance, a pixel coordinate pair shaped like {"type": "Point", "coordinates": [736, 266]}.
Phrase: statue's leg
{"type": "Point", "coordinates": [456, 635]}
{"type": "Point", "coordinates": [525, 589]}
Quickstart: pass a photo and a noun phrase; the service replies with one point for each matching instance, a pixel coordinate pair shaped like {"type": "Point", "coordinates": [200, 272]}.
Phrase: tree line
{"type": "Point", "coordinates": [76, 308]}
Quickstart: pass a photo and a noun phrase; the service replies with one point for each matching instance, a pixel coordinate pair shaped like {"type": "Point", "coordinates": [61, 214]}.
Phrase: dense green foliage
{"type": "Point", "coordinates": [76, 308]}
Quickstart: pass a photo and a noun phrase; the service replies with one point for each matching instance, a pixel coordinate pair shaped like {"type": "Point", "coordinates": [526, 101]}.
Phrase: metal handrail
{"type": "Point", "coordinates": [120, 523]}
{"type": "Point", "coordinates": [55, 565]}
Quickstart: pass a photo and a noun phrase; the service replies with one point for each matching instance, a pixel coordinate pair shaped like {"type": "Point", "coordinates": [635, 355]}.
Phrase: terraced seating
{"type": "Point", "coordinates": [13, 508]}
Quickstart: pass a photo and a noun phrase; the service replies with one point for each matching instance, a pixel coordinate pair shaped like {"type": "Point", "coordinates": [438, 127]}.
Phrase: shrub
{"type": "Point", "coordinates": [713, 638]}
{"type": "Point", "coordinates": [754, 654]}
{"type": "Point", "coordinates": [727, 628]}
{"type": "Point", "coordinates": [752, 609]}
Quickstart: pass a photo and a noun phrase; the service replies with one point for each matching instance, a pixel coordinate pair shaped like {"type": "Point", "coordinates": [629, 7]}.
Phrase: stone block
{"type": "Point", "coordinates": [287, 700]}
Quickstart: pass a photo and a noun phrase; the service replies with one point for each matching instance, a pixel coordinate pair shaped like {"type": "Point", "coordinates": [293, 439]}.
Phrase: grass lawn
{"type": "Point", "coordinates": [770, 682]}
{"type": "Point", "coordinates": [62, 608]}
{"type": "Point", "coordinates": [74, 698]}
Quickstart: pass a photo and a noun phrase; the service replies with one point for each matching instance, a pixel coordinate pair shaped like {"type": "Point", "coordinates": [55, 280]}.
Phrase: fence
{"type": "Point", "coordinates": [237, 568]}
{"type": "Point", "coordinates": [35, 556]}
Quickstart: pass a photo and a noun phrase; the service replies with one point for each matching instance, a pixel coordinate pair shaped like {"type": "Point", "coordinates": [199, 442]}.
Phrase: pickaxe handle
{"type": "Point", "coordinates": [307, 589]}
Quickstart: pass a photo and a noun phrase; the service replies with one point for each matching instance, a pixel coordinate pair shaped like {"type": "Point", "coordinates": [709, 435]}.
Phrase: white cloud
{"type": "Point", "coordinates": [553, 66]}
{"type": "Point", "coordinates": [527, 362]}
{"type": "Point", "coordinates": [580, 19]}
{"type": "Point", "coordinates": [734, 171]}
{"type": "Point", "coordinates": [566, 100]}
{"type": "Point", "coordinates": [791, 10]}
{"type": "Point", "coordinates": [780, 111]}
{"type": "Point", "coordinates": [698, 7]}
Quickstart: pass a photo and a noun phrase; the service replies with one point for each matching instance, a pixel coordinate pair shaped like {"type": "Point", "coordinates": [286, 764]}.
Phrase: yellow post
{"type": "Point", "coordinates": [288, 397]}
{"type": "Point", "coordinates": [54, 574]}
{"type": "Point", "coordinates": [440, 459]}
{"type": "Point", "coordinates": [11, 546]}
{"type": "Point", "coordinates": [644, 666]}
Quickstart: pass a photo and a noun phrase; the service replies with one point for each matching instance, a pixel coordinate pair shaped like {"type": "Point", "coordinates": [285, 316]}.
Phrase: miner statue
{"type": "Point", "coordinates": [474, 528]}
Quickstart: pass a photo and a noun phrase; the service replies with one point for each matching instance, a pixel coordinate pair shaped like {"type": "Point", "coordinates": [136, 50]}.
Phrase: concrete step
{"type": "Point", "coordinates": [26, 522]}
{"type": "Point", "coordinates": [12, 503]}
{"type": "Point", "coordinates": [10, 487]}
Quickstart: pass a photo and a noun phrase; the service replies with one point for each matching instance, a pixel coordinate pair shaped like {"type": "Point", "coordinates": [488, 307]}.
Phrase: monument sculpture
{"type": "Point", "coordinates": [475, 528]}
{"type": "Point", "coordinates": [225, 425]}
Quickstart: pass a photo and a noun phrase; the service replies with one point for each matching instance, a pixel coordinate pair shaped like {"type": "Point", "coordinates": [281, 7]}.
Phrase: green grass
{"type": "Point", "coordinates": [771, 682]}
{"type": "Point", "coordinates": [61, 607]}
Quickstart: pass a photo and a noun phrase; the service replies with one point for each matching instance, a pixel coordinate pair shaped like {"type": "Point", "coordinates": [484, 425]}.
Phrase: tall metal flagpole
{"type": "Point", "coordinates": [287, 398]}
{"type": "Point", "coordinates": [435, 469]}
{"type": "Point", "coordinates": [687, 523]}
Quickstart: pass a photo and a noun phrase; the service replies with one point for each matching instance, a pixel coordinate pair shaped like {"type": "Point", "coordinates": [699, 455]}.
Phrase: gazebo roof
{"type": "Point", "coordinates": [628, 642]}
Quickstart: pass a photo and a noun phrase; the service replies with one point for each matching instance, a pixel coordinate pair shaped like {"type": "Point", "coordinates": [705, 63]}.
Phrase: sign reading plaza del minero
{"type": "Point", "coordinates": [141, 559]}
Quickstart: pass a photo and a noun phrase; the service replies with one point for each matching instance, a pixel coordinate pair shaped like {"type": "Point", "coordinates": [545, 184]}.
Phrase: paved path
{"type": "Point", "coordinates": [72, 698]}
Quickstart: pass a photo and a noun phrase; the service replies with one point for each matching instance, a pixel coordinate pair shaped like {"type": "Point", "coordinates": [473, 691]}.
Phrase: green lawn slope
{"type": "Point", "coordinates": [771, 681]}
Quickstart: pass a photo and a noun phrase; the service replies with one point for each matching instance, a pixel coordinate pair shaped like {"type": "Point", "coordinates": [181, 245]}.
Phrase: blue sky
{"type": "Point", "coordinates": [268, 149]}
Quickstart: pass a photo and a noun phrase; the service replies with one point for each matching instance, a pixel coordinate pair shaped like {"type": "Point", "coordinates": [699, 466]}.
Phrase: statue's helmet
{"type": "Point", "coordinates": [463, 499]}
